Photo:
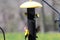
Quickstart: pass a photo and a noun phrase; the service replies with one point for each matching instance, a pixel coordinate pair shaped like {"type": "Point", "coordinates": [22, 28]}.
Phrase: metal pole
{"type": "Point", "coordinates": [43, 18]}
{"type": "Point", "coordinates": [3, 33]}
{"type": "Point", "coordinates": [55, 11]}
{"type": "Point", "coordinates": [59, 23]}
{"type": "Point", "coordinates": [31, 23]}
{"type": "Point", "coordinates": [51, 7]}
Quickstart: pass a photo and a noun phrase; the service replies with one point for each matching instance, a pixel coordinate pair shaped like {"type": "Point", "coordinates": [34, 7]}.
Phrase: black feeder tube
{"type": "Point", "coordinates": [31, 23]}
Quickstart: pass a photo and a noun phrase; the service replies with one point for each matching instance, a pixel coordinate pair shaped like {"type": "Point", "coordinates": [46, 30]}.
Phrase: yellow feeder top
{"type": "Point", "coordinates": [30, 4]}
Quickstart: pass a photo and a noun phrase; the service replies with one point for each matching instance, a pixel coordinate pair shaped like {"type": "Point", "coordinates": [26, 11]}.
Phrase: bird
{"type": "Point", "coordinates": [26, 32]}
{"type": "Point", "coordinates": [36, 15]}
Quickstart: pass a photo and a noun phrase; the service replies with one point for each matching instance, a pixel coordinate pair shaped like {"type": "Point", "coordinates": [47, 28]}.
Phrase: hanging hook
{"type": "Point", "coordinates": [30, 0]}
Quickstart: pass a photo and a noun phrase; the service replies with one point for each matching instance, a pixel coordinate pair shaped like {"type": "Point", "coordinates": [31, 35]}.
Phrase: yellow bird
{"type": "Point", "coordinates": [26, 32]}
{"type": "Point", "coordinates": [36, 15]}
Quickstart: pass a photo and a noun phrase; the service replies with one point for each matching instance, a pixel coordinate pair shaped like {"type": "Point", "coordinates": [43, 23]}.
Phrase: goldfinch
{"type": "Point", "coordinates": [26, 32]}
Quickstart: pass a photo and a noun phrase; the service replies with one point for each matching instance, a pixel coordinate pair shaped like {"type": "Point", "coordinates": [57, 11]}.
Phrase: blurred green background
{"type": "Point", "coordinates": [41, 36]}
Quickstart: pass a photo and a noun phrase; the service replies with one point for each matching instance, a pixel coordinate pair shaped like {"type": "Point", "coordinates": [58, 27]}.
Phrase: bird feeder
{"type": "Point", "coordinates": [31, 5]}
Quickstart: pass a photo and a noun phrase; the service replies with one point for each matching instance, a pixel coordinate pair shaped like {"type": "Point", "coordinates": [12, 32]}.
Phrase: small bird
{"type": "Point", "coordinates": [37, 15]}
{"type": "Point", "coordinates": [37, 29]}
{"type": "Point", "coordinates": [26, 32]}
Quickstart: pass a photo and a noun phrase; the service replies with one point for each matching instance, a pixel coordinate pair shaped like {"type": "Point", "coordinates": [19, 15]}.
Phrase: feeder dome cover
{"type": "Point", "coordinates": [31, 4]}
